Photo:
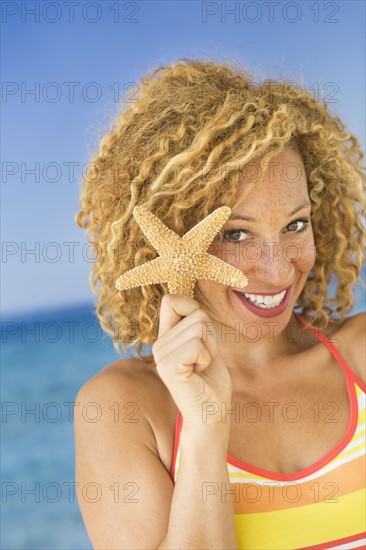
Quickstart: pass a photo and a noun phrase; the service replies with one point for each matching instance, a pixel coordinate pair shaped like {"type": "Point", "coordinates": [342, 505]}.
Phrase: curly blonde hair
{"type": "Point", "coordinates": [173, 151]}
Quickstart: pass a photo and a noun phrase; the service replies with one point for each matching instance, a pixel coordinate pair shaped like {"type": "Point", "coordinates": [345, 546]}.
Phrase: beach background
{"type": "Point", "coordinates": [51, 340]}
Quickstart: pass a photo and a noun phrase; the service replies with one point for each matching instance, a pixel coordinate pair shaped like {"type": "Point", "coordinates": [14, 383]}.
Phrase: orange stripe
{"type": "Point", "coordinates": [250, 497]}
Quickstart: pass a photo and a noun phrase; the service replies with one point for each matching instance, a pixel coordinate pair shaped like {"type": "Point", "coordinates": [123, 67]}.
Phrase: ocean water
{"type": "Point", "coordinates": [46, 358]}
{"type": "Point", "coordinates": [44, 363]}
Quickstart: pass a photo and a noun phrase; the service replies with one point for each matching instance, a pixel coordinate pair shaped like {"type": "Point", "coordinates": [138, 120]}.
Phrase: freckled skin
{"type": "Point", "coordinates": [267, 258]}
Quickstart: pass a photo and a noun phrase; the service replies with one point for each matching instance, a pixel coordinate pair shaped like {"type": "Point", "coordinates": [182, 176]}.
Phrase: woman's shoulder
{"type": "Point", "coordinates": [351, 343]}
{"type": "Point", "coordinates": [129, 385]}
{"type": "Point", "coordinates": [135, 393]}
{"type": "Point", "coordinates": [128, 377]}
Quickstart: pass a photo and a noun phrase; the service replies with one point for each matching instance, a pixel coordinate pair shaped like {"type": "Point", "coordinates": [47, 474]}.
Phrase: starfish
{"type": "Point", "coordinates": [182, 260]}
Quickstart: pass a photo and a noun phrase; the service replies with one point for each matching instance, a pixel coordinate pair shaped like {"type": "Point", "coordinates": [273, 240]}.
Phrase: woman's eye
{"type": "Point", "coordinates": [234, 235]}
{"type": "Point", "coordinates": [296, 228]}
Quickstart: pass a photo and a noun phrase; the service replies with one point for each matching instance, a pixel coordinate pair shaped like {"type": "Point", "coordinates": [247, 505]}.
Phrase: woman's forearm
{"type": "Point", "coordinates": [202, 513]}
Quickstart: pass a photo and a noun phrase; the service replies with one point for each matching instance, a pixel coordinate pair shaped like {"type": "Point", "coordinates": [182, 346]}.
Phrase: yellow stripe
{"type": "Point", "coordinates": [305, 526]}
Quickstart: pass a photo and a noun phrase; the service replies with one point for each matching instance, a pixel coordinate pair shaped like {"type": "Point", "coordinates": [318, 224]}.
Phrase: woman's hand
{"type": "Point", "coordinates": [187, 361]}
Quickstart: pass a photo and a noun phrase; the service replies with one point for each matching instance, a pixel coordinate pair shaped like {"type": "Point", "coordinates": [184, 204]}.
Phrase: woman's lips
{"type": "Point", "coordinates": [266, 313]}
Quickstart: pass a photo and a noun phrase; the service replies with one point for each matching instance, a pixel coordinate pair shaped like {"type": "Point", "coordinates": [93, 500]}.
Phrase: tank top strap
{"type": "Point", "coordinates": [333, 350]}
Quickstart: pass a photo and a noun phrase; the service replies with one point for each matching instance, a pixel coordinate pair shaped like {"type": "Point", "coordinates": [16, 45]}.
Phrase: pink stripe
{"type": "Point", "coordinates": [338, 542]}
{"type": "Point", "coordinates": [178, 426]}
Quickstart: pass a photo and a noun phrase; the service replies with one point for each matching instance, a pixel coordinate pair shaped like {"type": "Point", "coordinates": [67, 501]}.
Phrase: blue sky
{"type": "Point", "coordinates": [103, 47]}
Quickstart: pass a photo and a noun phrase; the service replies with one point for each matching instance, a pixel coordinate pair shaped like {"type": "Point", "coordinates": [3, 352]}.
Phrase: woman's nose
{"type": "Point", "coordinates": [270, 262]}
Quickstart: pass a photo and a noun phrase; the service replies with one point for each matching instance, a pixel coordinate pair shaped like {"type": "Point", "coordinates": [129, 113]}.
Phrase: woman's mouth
{"type": "Point", "coordinates": [265, 305]}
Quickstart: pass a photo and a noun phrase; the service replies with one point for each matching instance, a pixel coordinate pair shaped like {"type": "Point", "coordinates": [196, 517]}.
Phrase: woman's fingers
{"type": "Point", "coordinates": [172, 309]}
{"type": "Point", "coordinates": [192, 329]}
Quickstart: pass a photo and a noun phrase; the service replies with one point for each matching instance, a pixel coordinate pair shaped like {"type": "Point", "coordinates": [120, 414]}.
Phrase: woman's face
{"type": "Point", "coordinates": [275, 248]}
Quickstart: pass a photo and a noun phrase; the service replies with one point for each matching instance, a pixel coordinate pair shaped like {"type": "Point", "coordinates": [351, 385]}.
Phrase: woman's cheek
{"type": "Point", "coordinates": [226, 251]}
{"type": "Point", "coordinates": [236, 254]}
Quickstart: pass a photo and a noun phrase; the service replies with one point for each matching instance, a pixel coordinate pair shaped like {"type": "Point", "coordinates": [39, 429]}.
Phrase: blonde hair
{"type": "Point", "coordinates": [174, 151]}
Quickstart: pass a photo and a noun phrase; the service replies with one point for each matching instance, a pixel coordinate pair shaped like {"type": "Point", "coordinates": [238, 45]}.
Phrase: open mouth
{"type": "Point", "coordinates": [265, 302]}
{"type": "Point", "coordinates": [265, 305]}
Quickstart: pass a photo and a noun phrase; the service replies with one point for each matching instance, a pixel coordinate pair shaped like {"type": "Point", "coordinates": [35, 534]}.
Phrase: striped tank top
{"type": "Point", "coordinates": [320, 507]}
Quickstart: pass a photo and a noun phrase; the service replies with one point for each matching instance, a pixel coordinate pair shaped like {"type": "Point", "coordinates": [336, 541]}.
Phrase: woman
{"type": "Point", "coordinates": [244, 427]}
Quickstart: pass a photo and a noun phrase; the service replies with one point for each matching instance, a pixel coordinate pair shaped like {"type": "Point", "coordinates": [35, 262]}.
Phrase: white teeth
{"type": "Point", "coordinates": [265, 301]}
{"type": "Point", "coordinates": [259, 299]}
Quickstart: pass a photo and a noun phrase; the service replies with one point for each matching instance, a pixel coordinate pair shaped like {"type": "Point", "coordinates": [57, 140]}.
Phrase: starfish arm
{"type": "Point", "coordinates": [149, 273]}
{"type": "Point", "coordinates": [216, 270]}
{"type": "Point", "coordinates": [201, 235]}
{"type": "Point", "coordinates": [163, 239]}
{"type": "Point", "coordinates": [182, 284]}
